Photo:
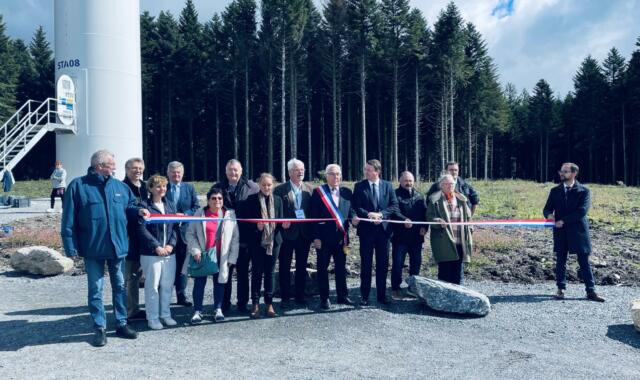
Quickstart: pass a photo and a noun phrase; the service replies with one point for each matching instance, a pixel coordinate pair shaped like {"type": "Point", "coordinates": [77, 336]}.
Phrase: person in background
{"type": "Point", "coordinates": [451, 245]}
{"type": "Point", "coordinates": [58, 184]}
{"type": "Point", "coordinates": [158, 262]}
{"type": "Point", "coordinates": [222, 234]}
{"type": "Point", "coordinates": [134, 170]}
{"type": "Point", "coordinates": [461, 186]}
{"type": "Point", "coordinates": [184, 198]}
{"type": "Point", "coordinates": [264, 243]}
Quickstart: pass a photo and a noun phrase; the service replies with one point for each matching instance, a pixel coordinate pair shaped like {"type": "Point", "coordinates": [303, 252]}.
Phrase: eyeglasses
{"type": "Point", "coordinates": [215, 198]}
{"type": "Point", "coordinates": [564, 171]}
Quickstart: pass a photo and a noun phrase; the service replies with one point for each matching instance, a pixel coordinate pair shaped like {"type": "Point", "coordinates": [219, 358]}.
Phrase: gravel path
{"type": "Point", "coordinates": [38, 207]}
{"type": "Point", "coordinates": [45, 330]}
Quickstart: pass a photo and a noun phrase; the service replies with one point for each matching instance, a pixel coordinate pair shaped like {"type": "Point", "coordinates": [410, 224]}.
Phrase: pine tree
{"type": "Point", "coordinates": [8, 75]}
{"type": "Point", "coordinates": [614, 67]}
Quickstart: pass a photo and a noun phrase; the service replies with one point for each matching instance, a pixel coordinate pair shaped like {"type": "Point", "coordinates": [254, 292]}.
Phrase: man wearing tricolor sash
{"type": "Point", "coordinates": [331, 239]}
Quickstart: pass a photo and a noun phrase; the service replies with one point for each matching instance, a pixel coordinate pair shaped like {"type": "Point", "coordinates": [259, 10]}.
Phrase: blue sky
{"type": "Point", "coordinates": [528, 39]}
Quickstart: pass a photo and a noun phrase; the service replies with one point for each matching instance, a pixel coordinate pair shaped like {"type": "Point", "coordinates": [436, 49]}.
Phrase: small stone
{"type": "Point", "coordinates": [450, 298]}
{"type": "Point", "coordinates": [597, 262]}
{"type": "Point", "coordinates": [635, 314]}
{"type": "Point", "coordinates": [40, 260]}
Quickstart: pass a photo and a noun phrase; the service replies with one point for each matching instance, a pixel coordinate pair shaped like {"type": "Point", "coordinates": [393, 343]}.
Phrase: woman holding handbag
{"type": "Point", "coordinates": [216, 240]}
{"type": "Point", "coordinates": [156, 257]}
{"type": "Point", "coordinates": [265, 242]}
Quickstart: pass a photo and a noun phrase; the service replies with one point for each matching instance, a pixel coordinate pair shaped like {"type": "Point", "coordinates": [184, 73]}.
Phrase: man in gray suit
{"type": "Point", "coordinates": [296, 197]}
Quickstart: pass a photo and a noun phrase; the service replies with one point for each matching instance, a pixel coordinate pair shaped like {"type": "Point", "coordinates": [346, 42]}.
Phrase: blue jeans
{"type": "Point", "coordinates": [95, 278]}
{"type": "Point", "coordinates": [585, 271]}
{"type": "Point", "coordinates": [199, 284]}
{"type": "Point", "coordinates": [400, 250]}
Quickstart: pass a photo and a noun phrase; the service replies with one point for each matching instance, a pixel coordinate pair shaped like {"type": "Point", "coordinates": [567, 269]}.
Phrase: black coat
{"type": "Point", "coordinates": [462, 187]}
{"type": "Point", "coordinates": [328, 232]}
{"type": "Point", "coordinates": [572, 210]}
{"type": "Point", "coordinates": [363, 204]}
{"type": "Point", "coordinates": [252, 211]}
{"type": "Point", "coordinates": [412, 206]}
{"type": "Point", "coordinates": [151, 235]}
{"type": "Point", "coordinates": [141, 194]}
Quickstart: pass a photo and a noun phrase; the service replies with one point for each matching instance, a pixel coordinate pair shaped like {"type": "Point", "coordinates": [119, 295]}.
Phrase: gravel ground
{"type": "Point", "coordinates": [38, 206]}
{"type": "Point", "coordinates": [45, 332]}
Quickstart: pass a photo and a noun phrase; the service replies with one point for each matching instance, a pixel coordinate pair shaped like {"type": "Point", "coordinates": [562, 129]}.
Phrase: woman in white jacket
{"type": "Point", "coordinates": [203, 236]}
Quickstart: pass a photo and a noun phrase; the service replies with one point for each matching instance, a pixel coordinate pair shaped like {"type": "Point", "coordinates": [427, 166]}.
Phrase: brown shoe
{"type": "Point", "coordinates": [271, 313]}
{"type": "Point", "coordinates": [593, 296]}
{"type": "Point", "coordinates": [255, 311]}
{"type": "Point", "coordinates": [559, 294]}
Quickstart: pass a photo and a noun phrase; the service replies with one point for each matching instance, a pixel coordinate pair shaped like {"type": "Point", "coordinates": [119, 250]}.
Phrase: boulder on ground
{"type": "Point", "coordinates": [635, 314]}
{"type": "Point", "coordinates": [40, 260]}
{"type": "Point", "coordinates": [449, 298]}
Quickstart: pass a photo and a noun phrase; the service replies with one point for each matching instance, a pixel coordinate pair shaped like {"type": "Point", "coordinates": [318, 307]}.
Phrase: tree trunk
{"type": "Point", "coordinates": [293, 105]}
{"type": "Point", "coordinates": [417, 127]}
{"type": "Point", "coordinates": [453, 157]}
{"type": "Point", "coordinates": [247, 133]}
{"type": "Point", "coordinates": [309, 144]}
{"type": "Point", "coordinates": [546, 155]}
{"type": "Point", "coordinates": [234, 128]}
{"type": "Point", "coordinates": [334, 104]}
{"type": "Point", "coordinates": [350, 143]}
{"type": "Point", "coordinates": [443, 132]}
{"type": "Point", "coordinates": [192, 166]}
{"type": "Point", "coordinates": [394, 124]}
{"type": "Point", "coordinates": [283, 109]}
{"type": "Point", "coordinates": [270, 122]}
{"type": "Point", "coordinates": [470, 170]}
{"type": "Point", "coordinates": [323, 144]}
{"type": "Point", "coordinates": [339, 127]}
{"type": "Point", "coordinates": [486, 156]}
{"type": "Point", "coordinates": [613, 153]}
{"type": "Point", "coordinates": [217, 142]}
{"type": "Point", "coordinates": [363, 105]}
{"type": "Point", "coordinates": [624, 147]}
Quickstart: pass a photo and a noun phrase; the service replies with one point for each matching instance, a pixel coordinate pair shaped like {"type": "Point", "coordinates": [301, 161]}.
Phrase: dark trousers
{"type": "Point", "coordinates": [585, 270]}
{"type": "Point", "coordinates": [452, 271]}
{"type": "Point", "coordinates": [324, 255]}
{"type": "Point", "coordinates": [199, 283]}
{"type": "Point", "coordinates": [181, 279]}
{"type": "Point", "coordinates": [262, 267]}
{"type": "Point", "coordinates": [400, 251]}
{"type": "Point", "coordinates": [378, 242]}
{"type": "Point", "coordinates": [301, 247]}
{"type": "Point", "coordinates": [59, 192]}
{"type": "Point", "coordinates": [242, 279]}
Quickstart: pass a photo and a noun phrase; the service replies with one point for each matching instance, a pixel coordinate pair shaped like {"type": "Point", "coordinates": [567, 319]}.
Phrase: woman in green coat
{"type": "Point", "coordinates": [451, 244]}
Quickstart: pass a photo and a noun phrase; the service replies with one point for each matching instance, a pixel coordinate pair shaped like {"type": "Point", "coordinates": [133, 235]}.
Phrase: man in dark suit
{"type": "Point", "coordinates": [461, 186]}
{"type": "Point", "coordinates": [567, 205]}
{"type": "Point", "coordinates": [184, 199]}
{"type": "Point", "coordinates": [329, 238]}
{"type": "Point", "coordinates": [296, 196]}
{"type": "Point", "coordinates": [374, 198]}
{"type": "Point", "coordinates": [238, 188]}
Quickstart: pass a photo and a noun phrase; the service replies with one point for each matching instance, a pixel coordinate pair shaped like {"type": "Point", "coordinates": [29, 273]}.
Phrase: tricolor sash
{"type": "Point", "coordinates": [334, 211]}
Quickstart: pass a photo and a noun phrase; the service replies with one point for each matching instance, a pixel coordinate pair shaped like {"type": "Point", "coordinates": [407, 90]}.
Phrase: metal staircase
{"type": "Point", "coordinates": [25, 128]}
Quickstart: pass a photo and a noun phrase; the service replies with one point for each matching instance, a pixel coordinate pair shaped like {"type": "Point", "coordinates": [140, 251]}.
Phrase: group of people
{"type": "Point", "coordinates": [104, 221]}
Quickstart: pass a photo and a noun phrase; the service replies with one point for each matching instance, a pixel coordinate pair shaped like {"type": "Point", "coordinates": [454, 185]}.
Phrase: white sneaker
{"type": "Point", "coordinates": [50, 210]}
{"type": "Point", "coordinates": [197, 317]}
{"type": "Point", "coordinates": [169, 321]}
{"type": "Point", "coordinates": [218, 317]}
{"type": "Point", "coordinates": [155, 324]}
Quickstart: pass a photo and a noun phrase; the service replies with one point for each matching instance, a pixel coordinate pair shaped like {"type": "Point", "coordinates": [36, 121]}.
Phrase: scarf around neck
{"type": "Point", "coordinates": [267, 211]}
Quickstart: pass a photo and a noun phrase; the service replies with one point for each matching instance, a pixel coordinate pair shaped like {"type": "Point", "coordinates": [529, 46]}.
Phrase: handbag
{"type": "Point", "coordinates": [207, 266]}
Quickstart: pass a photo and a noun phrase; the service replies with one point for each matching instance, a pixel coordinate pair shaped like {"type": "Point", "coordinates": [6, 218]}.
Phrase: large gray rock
{"type": "Point", "coordinates": [635, 313]}
{"type": "Point", "coordinates": [40, 260]}
{"type": "Point", "coordinates": [450, 298]}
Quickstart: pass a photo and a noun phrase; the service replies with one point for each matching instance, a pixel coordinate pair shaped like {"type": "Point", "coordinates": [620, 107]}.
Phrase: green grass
{"type": "Point", "coordinates": [615, 208]}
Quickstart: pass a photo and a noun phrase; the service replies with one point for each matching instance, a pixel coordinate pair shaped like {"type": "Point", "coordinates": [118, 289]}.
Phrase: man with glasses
{"type": "Point", "coordinates": [568, 205]}
{"type": "Point", "coordinates": [461, 186]}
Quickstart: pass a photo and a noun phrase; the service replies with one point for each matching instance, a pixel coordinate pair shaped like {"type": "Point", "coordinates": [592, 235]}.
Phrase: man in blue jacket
{"type": "Point", "coordinates": [184, 199]}
{"type": "Point", "coordinates": [568, 205]}
{"type": "Point", "coordinates": [374, 199]}
{"type": "Point", "coordinates": [94, 226]}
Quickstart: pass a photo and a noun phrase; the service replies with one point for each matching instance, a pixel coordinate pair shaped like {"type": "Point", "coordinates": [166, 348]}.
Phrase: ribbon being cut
{"type": "Point", "coordinates": [524, 223]}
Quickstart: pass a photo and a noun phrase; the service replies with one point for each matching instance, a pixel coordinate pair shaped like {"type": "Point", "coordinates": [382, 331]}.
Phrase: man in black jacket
{"type": "Point", "coordinates": [407, 238]}
{"type": "Point", "coordinates": [568, 205]}
{"type": "Point", "coordinates": [237, 189]}
{"type": "Point", "coordinates": [134, 170]}
{"type": "Point", "coordinates": [461, 186]}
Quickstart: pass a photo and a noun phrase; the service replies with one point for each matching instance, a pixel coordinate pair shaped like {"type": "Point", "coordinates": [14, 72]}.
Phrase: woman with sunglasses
{"type": "Point", "coordinates": [201, 237]}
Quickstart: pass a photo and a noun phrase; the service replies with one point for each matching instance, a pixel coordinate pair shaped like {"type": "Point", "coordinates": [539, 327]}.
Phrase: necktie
{"type": "Point", "coordinates": [298, 195]}
{"type": "Point", "coordinates": [375, 197]}
{"type": "Point", "coordinates": [176, 195]}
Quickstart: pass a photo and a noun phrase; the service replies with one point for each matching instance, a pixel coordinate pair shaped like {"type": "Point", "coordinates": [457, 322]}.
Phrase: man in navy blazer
{"type": "Point", "coordinates": [184, 199]}
{"type": "Point", "coordinates": [374, 198]}
{"type": "Point", "coordinates": [567, 205]}
{"type": "Point", "coordinates": [328, 239]}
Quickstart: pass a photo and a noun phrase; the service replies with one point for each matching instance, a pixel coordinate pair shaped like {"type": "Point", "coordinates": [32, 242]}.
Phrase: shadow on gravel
{"type": "Point", "coordinates": [71, 310]}
{"type": "Point", "coordinates": [624, 333]}
{"type": "Point", "coordinates": [521, 298]}
{"type": "Point", "coordinates": [20, 333]}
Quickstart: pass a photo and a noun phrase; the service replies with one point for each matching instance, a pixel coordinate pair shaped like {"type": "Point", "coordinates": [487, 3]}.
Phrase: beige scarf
{"type": "Point", "coordinates": [267, 212]}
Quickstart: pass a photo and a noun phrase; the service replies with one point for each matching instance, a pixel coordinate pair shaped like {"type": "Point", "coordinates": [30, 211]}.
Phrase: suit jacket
{"type": "Point", "coordinates": [572, 210]}
{"type": "Point", "coordinates": [463, 187]}
{"type": "Point", "coordinates": [328, 232]}
{"type": "Point", "coordinates": [252, 211]}
{"type": "Point", "coordinates": [187, 204]}
{"type": "Point", "coordinates": [285, 192]}
{"type": "Point", "coordinates": [141, 195]}
{"type": "Point", "coordinates": [363, 204]}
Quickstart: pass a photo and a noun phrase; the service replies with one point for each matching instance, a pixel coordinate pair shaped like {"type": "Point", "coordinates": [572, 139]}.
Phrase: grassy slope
{"type": "Point", "coordinates": [613, 207]}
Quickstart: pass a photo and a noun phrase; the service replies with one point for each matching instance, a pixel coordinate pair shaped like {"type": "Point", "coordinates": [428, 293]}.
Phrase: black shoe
{"type": "Point", "coordinates": [139, 316]}
{"type": "Point", "coordinates": [384, 301]}
{"type": "Point", "coordinates": [345, 301]}
{"type": "Point", "coordinates": [242, 308]}
{"type": "Point", "coordinates": [184, 303]}
{"type": "Point", "coordinates": [325, 304]}
{"type": "Point", "coordinates": [364, 302]}
{"type": "Point", "coordinates": [226, 306]}
{"type": "Point", "coordinates": [301, 301]}
{"type": "Point", "coordinates": [99, 337]}
{"type": "Point", "coordinates": [126, 332]}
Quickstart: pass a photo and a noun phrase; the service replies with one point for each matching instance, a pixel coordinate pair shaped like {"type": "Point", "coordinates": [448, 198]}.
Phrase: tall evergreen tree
{"type": "Point", "coordinates": [614, 67]}
{"type": "Point", "coordinates": [9, 72]}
